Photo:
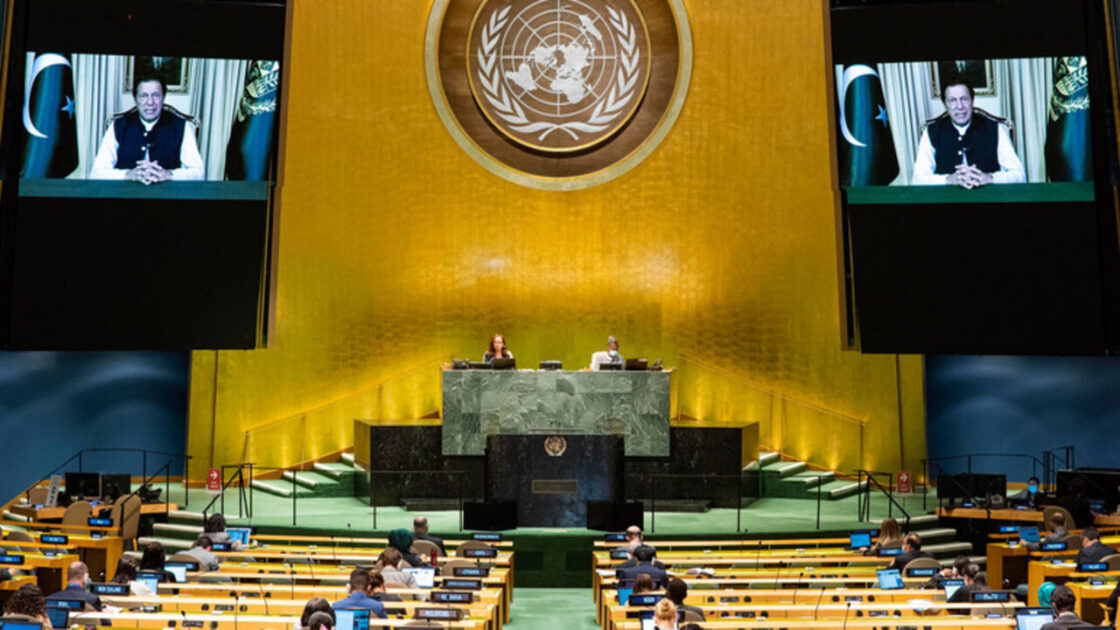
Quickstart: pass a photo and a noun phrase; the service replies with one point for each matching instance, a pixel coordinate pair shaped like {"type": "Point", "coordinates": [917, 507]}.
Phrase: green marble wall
{"type": "Point", "coordinates": [477, 403]}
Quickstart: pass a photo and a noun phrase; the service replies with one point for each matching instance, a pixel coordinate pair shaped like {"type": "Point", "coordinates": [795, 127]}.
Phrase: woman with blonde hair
{"type": "Point", "coordinates": [665, 615]}
{"type": "Point", "coordinates": [890, 536]}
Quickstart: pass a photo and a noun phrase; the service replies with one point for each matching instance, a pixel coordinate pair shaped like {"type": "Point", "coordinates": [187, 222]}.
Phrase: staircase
{"type": "Point", "coordinates": [325, 479]}
{"type": "Point", "coordinates": [794, 480]}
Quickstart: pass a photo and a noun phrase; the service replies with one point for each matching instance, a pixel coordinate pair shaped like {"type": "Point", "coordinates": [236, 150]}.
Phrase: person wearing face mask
{"type": "Point", "coordinates": [1027, 496]}
{"type": "Point", "coordinates": [610, 355]}
{"type": "Point", "coordinates": [965, 146]}
{"type": "Point", "coordinates": [78, 579]}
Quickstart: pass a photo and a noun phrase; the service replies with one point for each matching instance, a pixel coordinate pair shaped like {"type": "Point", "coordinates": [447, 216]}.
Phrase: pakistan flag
{"type": "Point", "coordinates": [867, 156]}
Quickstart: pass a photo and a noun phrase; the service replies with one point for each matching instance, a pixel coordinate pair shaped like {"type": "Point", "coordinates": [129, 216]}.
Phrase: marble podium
{"type": "Point", "coordinates": [479, 403]}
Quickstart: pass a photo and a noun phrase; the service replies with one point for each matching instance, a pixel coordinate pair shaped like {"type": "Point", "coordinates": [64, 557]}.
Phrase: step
{"type": "Point", "coordinates": [937, 533]}
{"type": "Point", "coordinates": [784, 469]}
{"type": "Point", "coordinates": [169, 544]}
{"type": "Point", "coordinates": [186, 516]}
{"type": "Point", "coordinates": [334, 470]}
{"type": "Point", "coordinates": [763, 459]}
{"type": "Point", "coordinates": [310, 480]}
{"type": "Point", "coordinates": [950, 549]}
{"type": "Point", "coordinates": [841, 489]}
{"type": "Point", "coordinates": [348, 458]}
{"type": "Point", "coordinates": [177, 530]}
{"type": "Point", "coordinates": [274, 488]}
{"type": "Point", "coordinates": [924, 520]}
{"type": "Point", "coordinates": [809, 479]}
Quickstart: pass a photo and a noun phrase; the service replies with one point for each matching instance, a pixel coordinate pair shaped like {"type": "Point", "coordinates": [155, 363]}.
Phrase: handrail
{"type": "Point", "coordinates": [145, 478]}
{"type": "Point", "coordinates": [864, 504]}
{"type": "Point", "coordinates": [738, 379]}
{"type": "Point", "coordinates": [1048, 472]}
{"type": "Point", "coordinates": [222, 493]}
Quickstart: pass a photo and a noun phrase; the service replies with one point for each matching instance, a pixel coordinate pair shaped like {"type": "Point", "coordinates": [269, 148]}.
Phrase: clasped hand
{"type": "Point", "coordinates": [148, 173]}
{"type": "Point", "coordinates": [968, 176]}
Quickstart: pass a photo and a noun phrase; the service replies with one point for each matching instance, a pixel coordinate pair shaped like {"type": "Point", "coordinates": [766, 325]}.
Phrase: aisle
{"type": "Point", "coordinates": [551, 608]}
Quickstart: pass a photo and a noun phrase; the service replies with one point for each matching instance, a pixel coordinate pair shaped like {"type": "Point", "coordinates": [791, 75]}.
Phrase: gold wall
{"type": "Point", "coordinates": [397, 251]}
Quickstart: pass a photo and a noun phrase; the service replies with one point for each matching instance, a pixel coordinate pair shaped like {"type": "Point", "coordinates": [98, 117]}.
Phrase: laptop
{"type": "Point", "coordinates": [21, 625]}
{"type": "Point", "coordinates": [351, 619]}
{"type": "Point", "coordinates": [637, 365]}
{"type": "Point", "coordinates": [59, 616]}
{"type": "Point", "coordinates": [1033, 618]}
{"type": "Point", "coordinates": [240, 535]}
{"type": "Point", "coordinates": [503, 363]}
{"type": "Point", "coordinates": [425, 576]}
{"type": "Point", "coordinates": [1029, 534]}
{"type": "Point", "coordinates": [890, 579]}
{"type": "Point", "coordinates": [150, 578]}
{"type": "Point", "coordinates": [951, 585]}
{"type": "Point", "coordinates": [860, 540]}
{"type": "Point", "coordinates": [624, 595]}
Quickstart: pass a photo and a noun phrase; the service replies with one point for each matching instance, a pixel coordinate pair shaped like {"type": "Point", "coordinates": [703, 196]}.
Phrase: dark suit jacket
{"type": "Point", "coordinates": [962, 595]}
{"type": "Point", "coordinates": [695, 609]}
{"type": "Point", "coordinates": [75, 592]}
{"type": "Point", "coordinates": [657, 574]}
{"type": "Point", "coordinates": [1094, 552]}
{"type": "Point", "coordinates": [1064, 620]}
{"type": "Point", "coordinates": [432, 539]}
{"type": "Point", "coordinates": [904, 558]}
{"type": "Point", "coordinates": [633, 563]}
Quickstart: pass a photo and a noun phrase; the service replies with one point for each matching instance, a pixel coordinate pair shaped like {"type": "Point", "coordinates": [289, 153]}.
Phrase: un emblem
{"type": "Point", "coordinates": [555, 445]}
{"type": "Point", "coordinates": [558, 75]}
{"type": "Point", "coordinates": [558, 94]}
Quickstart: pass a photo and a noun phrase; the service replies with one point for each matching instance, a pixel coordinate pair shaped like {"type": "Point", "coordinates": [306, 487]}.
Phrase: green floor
{"type": "Point", "coordinates": [552, 608]}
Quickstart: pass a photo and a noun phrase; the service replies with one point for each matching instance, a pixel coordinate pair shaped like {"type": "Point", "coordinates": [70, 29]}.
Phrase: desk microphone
{"type": "Point", "coordinates": [818, 606]}
{"type": "Point", "coordinates": [847, 609]}
{"type": "Point", "coordinates": [260, 587]}
{"type": "Point", "coordinates": [292, 574]}
{"type": "Point", "coordinates": [236, 610]}
{"type": "Point", "coordinates": [797, 586]}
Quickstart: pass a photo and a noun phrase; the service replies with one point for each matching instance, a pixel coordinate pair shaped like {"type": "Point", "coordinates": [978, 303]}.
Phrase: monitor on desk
{"type": "Point", "coordinates": [114, 486]}
{"type": "Point", "coordinates": [178, 569]}
{"type": "Point", "coordinates": [610, 367]}
{"type": "Point", "coordinates": [890, 579]}
{"type": "Point", "coordinates": [351, 619]}
{"type": "Point", "coordinates": [82, 484]}
{"type": "Point", "coordinates": [504, 363]}
{"type": "Point", "coordinates": [151, 579]}
{"type": "Point", "coordinates": [637, 365]}
{"type": "Point", "coordinates": [624, 595]}
{"type": "Point", "coordinates": [1033, 618]}
{"type": "Point", "coordinates": [951, 585]}
{"type": "Point", "coordinates": [1029, 534]}
{"type": "Point", "coordinates": [860, 540]}
{"type": "Point", "coordinates": [20, 624]}
{"type": "Point", "coordinates": [240, 535]}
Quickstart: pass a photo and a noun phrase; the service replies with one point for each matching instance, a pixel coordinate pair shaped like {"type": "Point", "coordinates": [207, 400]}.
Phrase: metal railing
{"type": "Point", "coordinates": [738, 495]}
{"type": "Point", "coordinates": [145, 478]}
{"type": "Point", "coordinates": [1048, 473]}
{"type": "Point", "coordinates": [863, 504]}
{"type": "Point", "coordinates": [245, 497]}
{"type": "Point", "coordinates": [456, 474]}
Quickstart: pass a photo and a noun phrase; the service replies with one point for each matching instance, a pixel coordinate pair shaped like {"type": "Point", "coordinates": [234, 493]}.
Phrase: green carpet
{"type": "Point", "coordinates": [551, 608]}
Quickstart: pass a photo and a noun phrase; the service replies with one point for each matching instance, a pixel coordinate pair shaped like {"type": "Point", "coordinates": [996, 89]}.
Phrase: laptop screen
{"type": "Point", "coordinates": [22, 625]}
{"type": "Point", "coordinates": [151, 579]}
{"type": "Point", "coordinates": [59, 616]}
{"type": "Point", "coordinates": [624, 595]}
{"type": "Point", "coordinates": [239, 535]}
{"type": "Point", "coordinates": [890, 579]}
{"type": "Point", "coordinates": [351, 619]}
{"type": "Point", "coordinates": [860, 539]}
{"type": "Point", "coordinates": [178, 570]}
{"type": "Point", "coordinates": [425, 576]}
{"type": "Point", "coordinates": [951, 586]}
{"type": "Point", "coordinates": [1029, 534]}
{"type": "Point", "coordinates": [1033, 618]}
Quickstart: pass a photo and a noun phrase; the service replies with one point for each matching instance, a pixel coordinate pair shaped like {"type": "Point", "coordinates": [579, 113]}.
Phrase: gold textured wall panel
{"type": "Point", "coordinates": [397, 251]}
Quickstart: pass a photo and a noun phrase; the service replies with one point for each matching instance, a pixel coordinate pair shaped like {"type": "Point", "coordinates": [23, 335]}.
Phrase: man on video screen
{"type": "Point", "coordinates": [965, 146]}
{"type": "Point", "coordinates": [149, 143]}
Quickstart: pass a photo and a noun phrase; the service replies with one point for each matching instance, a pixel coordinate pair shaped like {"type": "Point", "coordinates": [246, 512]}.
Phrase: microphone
{"type": "Point", "coordinates": [778, 577]}
{"type": "Point", "coordinates": [236, 609]}
{"type": "Point", "coordinates": [847, 609]}
{"type": "Point", "coordinates": [264, 599]}
{"type": "Point", "coordinates": [292, 574]}
{"type": "Point", "coordinates": [818, 606]}
{"type": "Point", "coordinates": [797, 586]}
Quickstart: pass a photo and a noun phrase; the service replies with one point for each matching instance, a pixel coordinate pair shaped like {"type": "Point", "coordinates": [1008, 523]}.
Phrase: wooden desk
{"type": "Point", "coordinates": [101, 554]}
{"type": "Point", "coordinates": [1040, 571]}
{"type": "Point", "coordinates": [939, 623]}
{"type": "Point", "coordinates": [1090, 598]}
{"type": "Point", "coordinates": [743, 544]}
{"type": "Point", "coordinates": [56, 513]}
{"type": "Point", "coordinates": [361, 542]}
{"type": "Point", "coordinates": [16, 582]}
{"type": "Point", "coordinates": [1020, 516]}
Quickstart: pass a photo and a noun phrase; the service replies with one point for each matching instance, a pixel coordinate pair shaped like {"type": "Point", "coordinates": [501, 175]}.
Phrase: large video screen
{"type": "Point", "coordinates": [966, 123]}
{"type": "Point", "coordinates": [974, 159]}
{"type": "Point", "coordinates": [141, 168]}
{"type": "Point", "coordinates": [147, 119]}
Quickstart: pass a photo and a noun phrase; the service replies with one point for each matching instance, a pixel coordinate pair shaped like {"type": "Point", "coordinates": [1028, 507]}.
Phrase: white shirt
{"type": "Point", "coordinates": [602, 357]}
{"type": "Point", "coordinates": [190, 161]}
{"type": "Point", "coordinates": [1010, 168]}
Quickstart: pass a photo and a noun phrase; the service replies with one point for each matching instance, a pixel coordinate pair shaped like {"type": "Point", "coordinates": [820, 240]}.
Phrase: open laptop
{"type": "Point", "coordinates": [503, 363]}
{"type": "Point", "coordinates": [637, 365]}
{"type": "Point", "coordinates": [951, 585]}
{"type": "Point", "coordinates": [890, 579]}
{"type": "Point", "coordinates": [425, 576]}
{"type": "Point", "coordinates": [177, 569]}
{"type": "Point", "coordinates": [351, 619]}
{"type": "Point", "coordinates": [624, 595]}
{"type": "Point", "coordinates": [240, 535]}
{"type": "Point", "coordinates": [1033, 618]}
{"type": "Point", "coordinates": [859, 540]}
{"type": "Point", "coordinates": [59, 616]}
{"type": "Point", "coordinates": [150, 578]}
{"type": "Point", "coordinates": [1029, 534]}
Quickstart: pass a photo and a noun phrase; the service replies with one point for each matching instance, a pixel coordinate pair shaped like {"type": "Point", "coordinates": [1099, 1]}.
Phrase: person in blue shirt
{"type": "Point", "coordinates": [360, 596]}
{"type": "Point", "coordinates": [78, 576]}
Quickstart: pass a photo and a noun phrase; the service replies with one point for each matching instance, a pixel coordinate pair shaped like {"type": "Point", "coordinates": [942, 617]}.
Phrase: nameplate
{"type": "Point", "coordinates": [555, 486]}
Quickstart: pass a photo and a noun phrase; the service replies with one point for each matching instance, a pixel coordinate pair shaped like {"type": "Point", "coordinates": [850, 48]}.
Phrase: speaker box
{"type": "Point", "coordinates": [490, 515]}
{"type": "Point", "coordinates": [614, 515]}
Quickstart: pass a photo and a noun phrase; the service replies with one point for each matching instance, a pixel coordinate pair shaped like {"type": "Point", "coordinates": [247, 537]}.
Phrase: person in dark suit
{"type": "Point", "coordinates": [77, 577]}
{"type": "Point", "coordinates": [676, 592]}
{"type": "Point", "coordinates": [1092, 549]}
{"type": "Point", "coordinates": [1064, 602]}
{"type": "Point", "coordinates": [911, 550]}
{"type": "Point", "coordinates": [420, 532]}
{"type": "Point", "coordinates": [644, 564]}
{"type": "Point", "coordinates": [973, 581]}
